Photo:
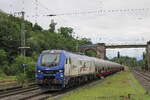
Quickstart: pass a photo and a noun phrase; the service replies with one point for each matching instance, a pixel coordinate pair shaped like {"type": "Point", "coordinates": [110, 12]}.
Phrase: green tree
{"type": "Point", "coordinates": [37, 27]}
{"type": "Point", "coordinates": [52, 26]}
{"type": "Point", "coordinates": [91, 53]}
{"type": "Point", "coordinates": [66, 31]}
{"type": "Point", "coordinates": [3, 56]}
{"type": "Point", "coordinates": [3, 61]}
{"type": "Point", "coordinates": [84, 41]}
{"type": "Point", "coordinates": [125, 60]}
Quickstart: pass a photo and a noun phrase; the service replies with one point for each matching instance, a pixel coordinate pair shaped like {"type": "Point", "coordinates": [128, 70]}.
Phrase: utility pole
{"type": "Point", "coordinates": [23, 46]}
{"type": "Point", "coordinates": [23, 35]}
{"type": "Point", "coordinates": [23, 43]}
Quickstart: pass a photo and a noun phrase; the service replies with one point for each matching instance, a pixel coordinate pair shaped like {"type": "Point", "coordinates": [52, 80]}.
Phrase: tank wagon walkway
{"type": "Point", "coordinates": [120, 86]}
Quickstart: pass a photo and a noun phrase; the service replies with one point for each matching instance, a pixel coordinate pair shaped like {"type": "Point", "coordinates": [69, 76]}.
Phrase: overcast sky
{"type": "Point", "coordinates": [120, 27]}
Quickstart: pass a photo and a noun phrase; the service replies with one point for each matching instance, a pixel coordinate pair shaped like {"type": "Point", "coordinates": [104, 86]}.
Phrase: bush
{"type": "Point", "coordinates": [8, 70]}
{"type": "Point", "coordinates": [2, 74]}
{"type": "Point", "coordinates": [3, 56]}
{"type": "Point", "coordinates": [3, 61]}
{"type": "Point", "coordinates": [29, 68]}
{"type": "Point", "coordinates": [22, 79]}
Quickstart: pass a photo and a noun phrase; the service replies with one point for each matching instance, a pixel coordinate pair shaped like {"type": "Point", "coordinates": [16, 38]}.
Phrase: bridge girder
{"type": "Point", "coordinates": [126, 46]}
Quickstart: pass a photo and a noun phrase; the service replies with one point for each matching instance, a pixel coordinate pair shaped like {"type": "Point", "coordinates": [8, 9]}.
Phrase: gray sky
{"type": "Point", "coordinates": [111, 27]}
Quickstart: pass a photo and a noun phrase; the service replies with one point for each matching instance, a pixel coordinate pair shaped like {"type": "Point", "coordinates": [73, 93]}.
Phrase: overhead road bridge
{"type": "Point", "coordinates": [100, 49]}
{"type": "Point", "coordinates": [127, 46]}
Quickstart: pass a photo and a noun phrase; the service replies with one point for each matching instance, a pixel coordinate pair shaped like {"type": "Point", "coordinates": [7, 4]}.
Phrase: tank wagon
{"type": "Point", "coordinates": [59, 69]}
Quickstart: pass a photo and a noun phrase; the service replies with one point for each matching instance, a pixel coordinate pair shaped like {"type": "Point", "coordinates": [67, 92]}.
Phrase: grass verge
{"type": "Point", "coordinates": [7, 79]}
{"type": "Point", "coordinates": [121, 86]}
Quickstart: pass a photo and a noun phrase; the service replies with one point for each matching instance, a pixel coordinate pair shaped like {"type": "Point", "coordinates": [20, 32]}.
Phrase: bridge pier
{"type": "Point", "coordinates": [148, 55]}
{"type": "Point", "coordinates": [99, 48]}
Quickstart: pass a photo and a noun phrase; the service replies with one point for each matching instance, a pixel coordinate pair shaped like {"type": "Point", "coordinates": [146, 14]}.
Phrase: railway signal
{"type": "Point", "coordinates": [24, 67]}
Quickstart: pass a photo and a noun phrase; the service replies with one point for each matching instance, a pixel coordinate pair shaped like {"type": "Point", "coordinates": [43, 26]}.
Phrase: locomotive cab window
{"type": "Point", "coordinates": [66, 61]}
{"type": "Point", "coordinates": [50, 59]}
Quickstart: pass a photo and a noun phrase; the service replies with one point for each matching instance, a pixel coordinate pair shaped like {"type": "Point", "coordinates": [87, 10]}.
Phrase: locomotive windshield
{"type": "Point", "coordinates": [50, 59]}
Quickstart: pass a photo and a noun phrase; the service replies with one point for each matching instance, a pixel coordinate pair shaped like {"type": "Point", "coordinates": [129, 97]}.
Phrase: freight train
{"type": "Point", "coordinates": [59, 69]}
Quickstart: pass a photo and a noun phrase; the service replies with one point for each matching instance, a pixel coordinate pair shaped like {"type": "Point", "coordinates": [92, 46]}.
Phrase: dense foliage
{"type": "Point", "coordinates": [36, 38]}
{"type": "Point", "coordinates": [125, 61]}
{"type": "Point", "coordinates": [91, 53]}
{"type": "Point", "coordinates": [130, 62]}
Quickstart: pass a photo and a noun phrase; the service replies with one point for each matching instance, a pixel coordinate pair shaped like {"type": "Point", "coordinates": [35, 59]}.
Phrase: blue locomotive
{"type": "Point", "coordinates": [59, 69]}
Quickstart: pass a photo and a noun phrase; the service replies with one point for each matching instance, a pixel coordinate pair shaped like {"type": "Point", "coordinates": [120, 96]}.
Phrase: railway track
{"type": "Point", "coordinates": [30, 93]}
{"type": "Point", "coordinates": [33, 92]}
{"type": "Point", "coordinates": [45, 95]}
{"type": "Point", "coordinates": [146, 76]}
{"type": "Point", "coordinates": [143, 78]}
{"type": "Point", "coordinates": [16, 91]}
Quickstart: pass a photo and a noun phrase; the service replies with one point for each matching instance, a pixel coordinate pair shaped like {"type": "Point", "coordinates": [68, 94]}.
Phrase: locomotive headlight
{"type": "Point", "coordinates": [61, 75]}
{"type": "Point", "coordinates": [60, 70]}
{"type": "Point", "coordinates": [39, 71]}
